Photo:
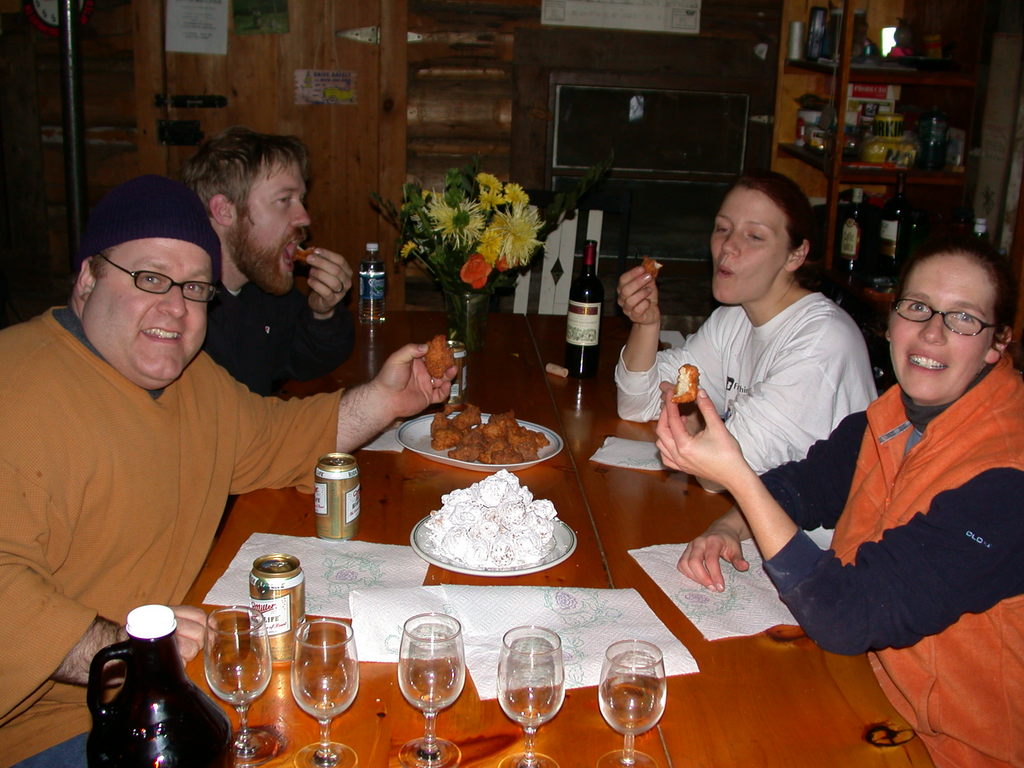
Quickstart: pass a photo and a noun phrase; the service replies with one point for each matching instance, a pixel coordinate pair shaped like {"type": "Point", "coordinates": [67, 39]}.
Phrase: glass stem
{"type": "Point", "coordinates": [628, 754]}
{"type": "Point", "coordinates": [242, 746]}
{"type": "Point", "coordinates": [529, 756]}
{"type": "Point", "coordinates": [429, 749]}
{"type": "Point", "coordinates": [325, 755]}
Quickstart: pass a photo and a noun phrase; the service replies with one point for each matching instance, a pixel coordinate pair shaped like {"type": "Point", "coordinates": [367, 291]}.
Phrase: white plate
{"type": "Point", "coordinates": [565, 545]}
{"type": "Point", "coordinates": [415, 435]}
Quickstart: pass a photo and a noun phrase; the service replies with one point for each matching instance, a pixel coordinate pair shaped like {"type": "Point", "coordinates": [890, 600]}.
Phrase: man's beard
{"type": "Point", "coordinates": [259, 262]}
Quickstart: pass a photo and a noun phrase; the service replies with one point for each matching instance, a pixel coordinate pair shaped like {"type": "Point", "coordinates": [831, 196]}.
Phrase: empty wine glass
{"type": "Point", "coordinates": [431, 673]}
{"type": "Point", "coordinates": [238, 666]}
{"type": "Point", "coordinates": [632, 697]}
{"type": "Point", "coordinates": [325, 679]}
{"type": "Point", "coordinates": [531, 687]}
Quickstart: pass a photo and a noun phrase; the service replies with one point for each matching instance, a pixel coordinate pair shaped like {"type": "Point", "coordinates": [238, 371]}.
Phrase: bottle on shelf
{"type": "Point", "coordinates": [851, 234]}
{"type": "Point", "coordinates": [372, 286]}
{"type": "Point", "coordinates": [894, 232]}
{"type": "Point", "coordinates": [981, 228]}
{"type": "Point", "coordinates": [583, 320]}
{"type": "Point", "coordinates": [158, 717]}
{"type": "Point", "coordinates": [932, 131]}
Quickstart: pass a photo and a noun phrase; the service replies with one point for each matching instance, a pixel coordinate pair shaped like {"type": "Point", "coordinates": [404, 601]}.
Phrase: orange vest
{"type": "Point", "coordinates": [963, 689]}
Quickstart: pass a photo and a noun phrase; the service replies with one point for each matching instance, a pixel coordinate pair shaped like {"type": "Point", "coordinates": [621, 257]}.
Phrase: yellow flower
{"type": "Point", "coordinates": [408, 248]}
{"type": "Point", "coordinates": [490, 198]}
{"type": "Point", "coordinates": [488, 181]}
{"type": "Point", "coordinates": [518, 227]}
{"type": "Point", "coordinates": [490, 244]}
{"type": "Point", "coordinates": [515, 194]}
{"type": "Point", "coordinates": [461, 224]}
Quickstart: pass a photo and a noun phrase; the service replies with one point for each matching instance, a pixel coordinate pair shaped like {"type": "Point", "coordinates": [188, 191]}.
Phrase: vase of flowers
{"type": "Point", "coordinates": [474, 237]}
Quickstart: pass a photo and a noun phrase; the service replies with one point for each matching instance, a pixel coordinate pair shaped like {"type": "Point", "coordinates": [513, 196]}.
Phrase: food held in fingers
{"type": "Point", "coordinates": [651, 266]}
{"type": "Point", "coordinates": [439, 356]}
{"type": "Point", "coordinates": [302, 254]}
{"type": "Point", "coordinates": [687, 381]}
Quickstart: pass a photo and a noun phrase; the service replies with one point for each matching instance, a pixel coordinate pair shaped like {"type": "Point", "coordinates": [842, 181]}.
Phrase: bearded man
{"type": "Point", "coordinates": [261, 327]}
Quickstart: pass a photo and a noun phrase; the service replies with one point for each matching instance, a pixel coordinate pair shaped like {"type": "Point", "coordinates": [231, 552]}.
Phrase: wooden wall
{"type": "Point", "coordinates": [453, 100]}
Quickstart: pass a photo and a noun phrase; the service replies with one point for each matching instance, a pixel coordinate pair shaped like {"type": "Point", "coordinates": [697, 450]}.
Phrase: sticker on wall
{"type": "Point", "coordinates": [260, 17]}
{"type": "Point", "coordinates": [324, 86]}
{"type": "Point", "coordinates": [679, 16]}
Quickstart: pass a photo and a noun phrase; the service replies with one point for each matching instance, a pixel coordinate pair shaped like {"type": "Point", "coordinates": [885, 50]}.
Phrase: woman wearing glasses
{"type": "Point", "coordinates": [782, 363]}
{"type": "Point", "coordinates": [924, 492]}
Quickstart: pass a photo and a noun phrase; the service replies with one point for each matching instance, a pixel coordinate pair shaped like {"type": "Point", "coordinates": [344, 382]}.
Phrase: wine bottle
{"type": "Point", "coordinates": [583, 321]}
{"type": "Point", "coordinates": [851, 234]}
{"type": "Point", "coordinates": [895, 231]}
{"type": "Point", "coordinates": [158, 717]}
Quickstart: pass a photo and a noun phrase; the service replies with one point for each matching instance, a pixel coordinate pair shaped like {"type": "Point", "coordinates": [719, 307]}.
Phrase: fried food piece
{"type": "Point", "coordinates": [445, 438]}
{"type": "Point", "coordinates": [470, 448]}
{"type": "Point", "coordinates": [651, 266]}
{"type": "Point", "coordinates": [302, 254]}
{"type": "Point", "coordinates": [687, 382]}
{"type": "Point", "coordinates": [439, 356]}
{"type": "Point", "coordinates": [467, 419]}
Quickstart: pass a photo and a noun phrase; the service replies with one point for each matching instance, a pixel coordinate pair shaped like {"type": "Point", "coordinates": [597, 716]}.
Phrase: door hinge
{"type": "Point", "coordinates": [206, 101]}
{"type": "Point", "coordinates": [179, 133]}
{"type": "Point", "coordinates": [371, 35]}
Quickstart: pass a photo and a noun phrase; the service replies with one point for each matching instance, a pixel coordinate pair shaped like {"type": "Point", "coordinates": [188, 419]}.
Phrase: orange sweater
{"type": "Point", "coordinates": [110, 499]}
{"type": "Point", "coordinates": [963, 688]}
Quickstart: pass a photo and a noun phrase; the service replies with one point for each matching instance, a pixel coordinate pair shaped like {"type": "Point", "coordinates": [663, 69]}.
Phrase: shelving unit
{"type": "Point", "coordinates": [952, 90]}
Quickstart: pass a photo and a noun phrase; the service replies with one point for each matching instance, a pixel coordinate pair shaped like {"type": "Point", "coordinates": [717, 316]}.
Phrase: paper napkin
{"type": "Point", "coordinates": [632, 454]}
{"type": "Point", "coordinates": [749, 605]}
{"type": "Point", "coordinates": [332, 570]}
{"type": "Point", "coordinates": [385, 441]}
{"type": "Point", "coordinates": [587, 620]}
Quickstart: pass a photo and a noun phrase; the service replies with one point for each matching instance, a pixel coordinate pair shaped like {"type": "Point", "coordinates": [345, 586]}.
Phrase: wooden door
{"type": "Point", "coordinates": [355, 148]}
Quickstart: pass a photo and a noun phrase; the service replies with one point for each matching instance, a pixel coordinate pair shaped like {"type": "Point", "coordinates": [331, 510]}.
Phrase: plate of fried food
{"type": "Point", "coordinates": [462, 436]}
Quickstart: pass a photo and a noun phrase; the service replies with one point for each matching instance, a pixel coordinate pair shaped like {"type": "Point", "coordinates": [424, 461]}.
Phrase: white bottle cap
{"type": "Point", "coordinates": [980, 224]}
{"type": "Point", "coordinates": [151, 621]}
{"type": "Point", "coordinates": [372, 247]}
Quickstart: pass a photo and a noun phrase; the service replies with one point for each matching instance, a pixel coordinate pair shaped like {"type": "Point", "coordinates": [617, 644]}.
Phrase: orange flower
{"type": "Point", "coordinates": [502, 264]}
{"type": "Point", "coordinates": [475, 271]}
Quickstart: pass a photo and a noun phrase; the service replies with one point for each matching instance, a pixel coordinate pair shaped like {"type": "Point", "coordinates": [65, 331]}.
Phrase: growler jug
{"type": "Point", "coordinates": [158, 717]}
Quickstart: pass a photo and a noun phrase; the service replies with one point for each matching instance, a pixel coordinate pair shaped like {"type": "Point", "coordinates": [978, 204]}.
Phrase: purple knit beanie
{"type": "Point", "coordinates": [149, 206]}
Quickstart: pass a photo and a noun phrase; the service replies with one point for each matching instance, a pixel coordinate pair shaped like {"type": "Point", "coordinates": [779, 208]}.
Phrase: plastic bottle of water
{"type": "Point", "coordinates": [372, 286]}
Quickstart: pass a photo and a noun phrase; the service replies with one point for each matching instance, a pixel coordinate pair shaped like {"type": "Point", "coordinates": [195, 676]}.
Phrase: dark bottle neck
{"type": "Point", "coordinates": [157, 662]}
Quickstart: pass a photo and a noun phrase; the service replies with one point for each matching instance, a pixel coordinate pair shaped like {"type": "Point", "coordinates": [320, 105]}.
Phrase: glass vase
{"type": "Point", "coordinates": [467, 318]}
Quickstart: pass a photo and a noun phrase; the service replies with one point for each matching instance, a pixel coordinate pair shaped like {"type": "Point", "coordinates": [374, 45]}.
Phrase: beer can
{"type": "Point", "coordinates": [458, 392]}
{"type": "Point", "coordinates": [336, 497]}
{"type": "Point", "coordinates": [277, 589]}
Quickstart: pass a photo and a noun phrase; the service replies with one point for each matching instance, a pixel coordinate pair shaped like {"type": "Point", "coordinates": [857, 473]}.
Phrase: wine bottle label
{"type": "Point", "coordinates": [889, 232]}
{"type": "Point", "coordinates": [850, 244]}
{"type": "Point", "coordinates": [583, 324]}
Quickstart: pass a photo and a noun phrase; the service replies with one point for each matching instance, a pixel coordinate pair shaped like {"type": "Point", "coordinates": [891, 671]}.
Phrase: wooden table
{"type": "Point", "coordinates": [773, 699]}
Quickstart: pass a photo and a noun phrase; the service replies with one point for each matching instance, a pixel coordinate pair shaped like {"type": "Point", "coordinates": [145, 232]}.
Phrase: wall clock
{"type": "Point", "coordinates": [45, 14]}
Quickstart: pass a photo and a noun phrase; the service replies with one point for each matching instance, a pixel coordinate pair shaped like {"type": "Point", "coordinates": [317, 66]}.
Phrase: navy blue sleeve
{"type": "Point", "coordinates": [319, 346]}
{"type": "Point", "coordinates": [813, 491]}
{"type": "Point", "coordinates": [961, 557]}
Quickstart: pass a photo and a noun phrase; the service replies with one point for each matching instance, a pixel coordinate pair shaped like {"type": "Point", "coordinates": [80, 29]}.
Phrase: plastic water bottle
{"type": "Point", "coordinates": [372, 286]}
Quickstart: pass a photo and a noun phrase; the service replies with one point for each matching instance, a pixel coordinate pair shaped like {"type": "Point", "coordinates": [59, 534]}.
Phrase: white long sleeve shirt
{"type": "Point", "coordinates": [779, 387]}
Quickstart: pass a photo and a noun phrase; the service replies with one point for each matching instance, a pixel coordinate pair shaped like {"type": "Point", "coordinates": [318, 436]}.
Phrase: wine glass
{"type": "Point", "coordinates": [632, 698]}
{"type": "Point", "coordinates": [431, 673]}
{"type": "Point", "coordinates": [238, 665]}
{"type": "Point", "coordinates": [531, 686]}
{"type": "Point", "coordinates": [325, 679]}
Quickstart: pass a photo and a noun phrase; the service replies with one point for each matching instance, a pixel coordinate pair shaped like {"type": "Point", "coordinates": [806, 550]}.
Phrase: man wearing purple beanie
{"type": "Point", "coordinates": [122, 442]}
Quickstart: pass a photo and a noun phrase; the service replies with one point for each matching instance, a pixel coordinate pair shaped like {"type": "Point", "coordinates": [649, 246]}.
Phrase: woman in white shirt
{"type": "Point", "coordinates": [783, 364]}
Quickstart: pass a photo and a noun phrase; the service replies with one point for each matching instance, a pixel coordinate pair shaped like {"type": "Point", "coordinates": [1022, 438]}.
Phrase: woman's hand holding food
{"type": "Point", "coordinates": [638, 296]}
{"type": "Point", "coordinates": [712, 452]}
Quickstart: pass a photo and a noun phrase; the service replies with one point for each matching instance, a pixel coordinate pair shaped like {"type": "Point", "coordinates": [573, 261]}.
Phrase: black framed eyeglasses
{"type": "Point", "coordinates": [962, 323]}
{"type": "Point", "coordinates": [155, 282]}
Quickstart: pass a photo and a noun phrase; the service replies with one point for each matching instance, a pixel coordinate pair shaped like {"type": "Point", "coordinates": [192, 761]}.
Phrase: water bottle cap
{"type": "Point", "coordinates": [372, 247]}
{"type": "Point", "coordinates": [151, 621]}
